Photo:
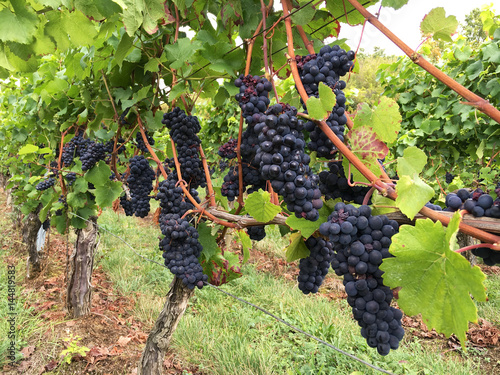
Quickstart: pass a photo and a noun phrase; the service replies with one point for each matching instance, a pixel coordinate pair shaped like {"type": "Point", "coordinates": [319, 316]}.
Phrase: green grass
{"type": "Point", "coordinates": [223, 336]}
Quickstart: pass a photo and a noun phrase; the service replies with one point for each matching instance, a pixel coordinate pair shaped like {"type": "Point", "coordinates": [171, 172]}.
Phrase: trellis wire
{"type": "Point", "coordinates": [251, 304]}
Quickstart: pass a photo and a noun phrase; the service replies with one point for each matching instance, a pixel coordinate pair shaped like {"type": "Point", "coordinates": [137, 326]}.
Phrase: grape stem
{"type": "Point", "coordinates": [477, 246]}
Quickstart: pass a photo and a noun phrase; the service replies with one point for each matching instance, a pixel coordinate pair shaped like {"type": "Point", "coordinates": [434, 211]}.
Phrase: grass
{"type": "Point", "coordinates": [223, 336]}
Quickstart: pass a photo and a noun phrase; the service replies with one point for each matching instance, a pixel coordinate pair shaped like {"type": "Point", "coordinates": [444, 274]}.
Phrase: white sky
{"type": "Point", "coordinates": [405, 23]}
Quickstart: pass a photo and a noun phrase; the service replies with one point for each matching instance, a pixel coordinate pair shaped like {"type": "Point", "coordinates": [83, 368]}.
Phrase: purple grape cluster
{"type": "Point", "coordinates": [45, 184]}
{"type": "Point", "coordinates": [257, 233]}
{"type": "Point", "coordinates": [253, 97]}
{"type": "Point", "coordinates": [228, 149]}
{"type": "Point", "coordinates": [140, 142]}
{"type": "Point", "coordinates": [333, 184]}
{"type": "Point", "coordinates": [140, 183]}
{"type": "Point", "coordinates": [181, 250]}
{"type": "Point", "coordinates": [91, 154]}
{"type": "Point", "coordinates": [361, 241]}
{"type": "Point", "coordinates": [183, 131]}
{"type": "Point", "coordinates": [313, 269]}
{"type": "Point", "coordinates": [282, 161]}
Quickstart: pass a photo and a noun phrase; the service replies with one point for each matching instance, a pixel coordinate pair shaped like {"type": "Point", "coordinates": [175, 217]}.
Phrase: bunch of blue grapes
{"type": "Point", "coordinates": [333, 184]}
{"type": "Point", "coordinates": [62, 199]}
{"type": "Point", "coordinates": [361, 241]}
{"type": "Point", "coordinates": [120, 145]}
{"type": "Point", "coordinates": [253, 97]}
{"type": "Point", "coordinates": [72, 149]}
{"type": "Point", "coordinates": [172, 199]}
{"type": "Point", "coordinates": [181, 250]}
{"type": "Point", "coordinates": [70, 177]}
{"type": "Point", "coordinates": [257, 232]}
{"type": "Point", "coordinates": [140, 183]}
{"type": "Point", "coordinates": [282, 161]}
{"type": "Point", "coordinates": [45, 184]}
{"type": "Point", "coordinates": [314, 268]}
{"type": "Point", "coordinates": [140, 141]}
{"type": "Point", "coordinates": [326, 67]}
{"type": "Point", "coordinates": [183, 131]}
{"type": "Point", "coordinates": [228, 149]}
{"type": "Point", "coordinates": [91, 154]}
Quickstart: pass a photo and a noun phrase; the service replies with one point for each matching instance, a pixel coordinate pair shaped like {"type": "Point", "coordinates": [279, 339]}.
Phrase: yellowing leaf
{"type": "Point", "coordinates": [436, 23]}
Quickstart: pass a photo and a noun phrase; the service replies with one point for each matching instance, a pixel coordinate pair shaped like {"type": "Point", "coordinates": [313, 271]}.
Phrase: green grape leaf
{"type": "Point", "coordinates": [180, 52]}
{"type": "Point", "coordinates": [436, 23]}
{"type": "Point", "coordinates": [297, 248]}
{"type": "Point", "coordinates": [106, 195]}
{"type": "Point", "coordinates": [413, 161]}
{"type": "Point", "coordinates": [413, 194]}
{"type": "Point", "coordinates": [80, 185]}
{"type": "Point", "coordinates": [76, 200]}
{"type": "Point", "coordinates": [246, 244]}
{"type": "Point", "coordinates": [344, 12]}
{"type": "Point", "coordinates": [368, 148]}
{"type": "Point", "coordinates": [207, 240]}
{"type": "Point", "coordinates": [315, 109]}
{"type": "Point", "coordinates": [28, 149]}
{"type": "Point", "coordinates": [384, 119]}
{"type": "Point", "coordinates": [99, 174]}
{"type": "Point", "coordinates": [435, 281]}
{"type": "Point", "coordinates": [304, 15]}
{"type": "Point", "coordinates": [85, 213]}
{"type": "Point", "coordinates": [259, 206]}
{"type": "Point", "coordinates": [327, 97]}
{"type": "Point", "coordinates": [19, 26]}
{"type": "Point", "coordinates": [125, 46]}
{"type": "Point", "coordinates": [308, 227]}
{"type": "Point", "coordinates": [395, 4]}
{"type": "Point", "coordinates": [380, 200]}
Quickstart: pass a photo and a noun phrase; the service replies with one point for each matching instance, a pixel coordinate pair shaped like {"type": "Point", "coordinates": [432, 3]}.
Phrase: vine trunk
{"type": "Point", "coordinates": [151, 362]}
{"type": "Point", "coordinates": [81, 264]}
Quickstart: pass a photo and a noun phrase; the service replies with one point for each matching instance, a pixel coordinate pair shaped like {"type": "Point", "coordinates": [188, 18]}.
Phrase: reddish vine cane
{"type": "Point", "coordinates": [385, 189]}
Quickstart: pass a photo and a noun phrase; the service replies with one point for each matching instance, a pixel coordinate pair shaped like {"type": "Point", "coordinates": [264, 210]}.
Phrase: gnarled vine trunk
{"type": "Point", "coordinates": [151, 362]}
{"type": "Point", "coordinates": [30, 229]}
{"type": "Point", "coordinates": [81, 264]}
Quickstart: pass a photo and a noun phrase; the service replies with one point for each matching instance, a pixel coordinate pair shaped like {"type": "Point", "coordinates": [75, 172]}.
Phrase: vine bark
{"type": "Point", "coordinates": [151, 362]}
{"type": "Point", "coordinates": [81, 264]}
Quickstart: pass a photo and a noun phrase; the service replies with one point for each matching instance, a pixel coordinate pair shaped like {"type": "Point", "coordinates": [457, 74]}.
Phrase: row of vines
{"type": "Point", "coordinates": [232, 115]}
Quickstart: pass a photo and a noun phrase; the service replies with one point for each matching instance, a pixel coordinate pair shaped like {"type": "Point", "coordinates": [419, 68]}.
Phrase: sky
{"type": "Point", "coordinates": [405, 23]}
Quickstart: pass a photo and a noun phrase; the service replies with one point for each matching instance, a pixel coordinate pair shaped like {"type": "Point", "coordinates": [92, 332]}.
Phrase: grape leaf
{"type": "Point", "coordinates": [315, 109]}
{"type": "Point", "coordinates": [327, 97]}
{"type": "Point", "coordinates": [412, 161]}
{"type": "Point", "coordinates": [28, 149]}
{"type": "Point", "coordinates": [308, 227]}
{"type": "Point", "coordinates": [413, 194]}
{"type": "Point", "coordinates": [180, 52]}
{"type": "Point", "coordinates": [368, 148]}
{"type": "Point", "coordinates": [395, 4]}
{"type": "Point", "coordinates": [99, 174]}
{"type": "Point", "coordinates": [384, 119]}
{"type": "Point", "coordinates": [206, 239]}
{"type": "Point", "coordinates": [246, 244]}
{"type": "Point", "coordinates": [297, 248]}
{"type": "Point", "coordinates": [259, 206]}
{"type": "Point", "coordinates": [105, 195]}
{"type": "Point", "coordinates": [436, 23]}
{"type": "Point", "coordinates": [435, 281]}
{"type": "Point", "coordinates": [304, 15]}
{"type": "Point", "coordinates": [344, 12]}
{"type": "Point", "coordinates": [19, 26]}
